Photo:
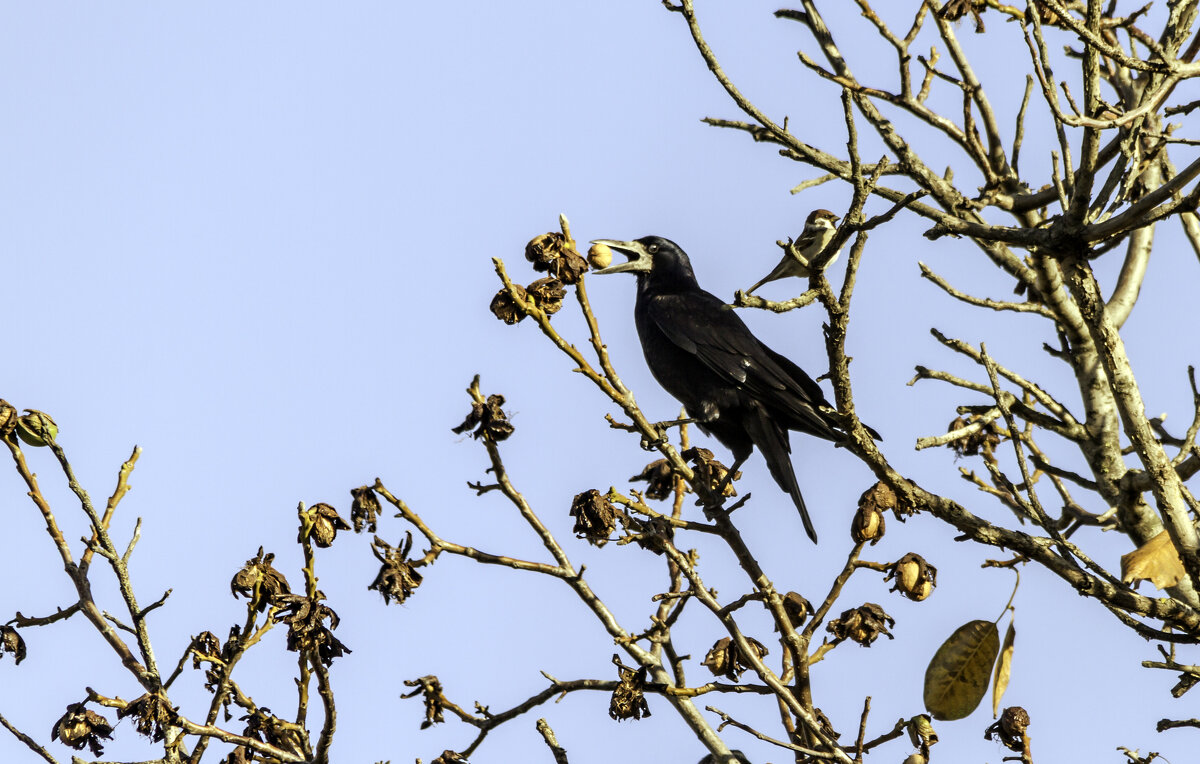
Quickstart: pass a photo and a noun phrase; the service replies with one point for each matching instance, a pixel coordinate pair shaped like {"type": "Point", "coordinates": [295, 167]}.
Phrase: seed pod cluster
{"type": "Point", "coordinates": [307, 632]}
{"type": "Point", "coordinates": [629, 700]}
{"type": "Point", "coordinates": [364, 511]}
{"type": "Point", "coordinates": [326, 522]}
{"type": "Point", "coordinates": [862, 624]}
{"type": "Point", "coordinates": [487, 420]}
{"type": "Point", "coordinates": [555, 254]}
{"type": "Point", "coordinates": [80, 726]}
{"type": "Point", "coordinates": [1010, 728]}
{"type": "Point", "coordinates": [595, 517]}
{"type": "Point", "coordinates": [660, 479]}
{"type": "Point", "coordinates": [505, 308]}
{"type": "Point", "coordinates": [398, 578]}
{"type": "Point", "coordinates": [726, 659]}
{"type": "Point", "coordinates": [152, 715]}
{"type": "Point", "coordinates": [259, 582]}
{"type": "Point", "coordinates": [914, 578]}
{"type": "Point", "coordinates": [429, 687]}
{"type": "Point", "coordinates": [709, 471]}
{"type": "Point", "coordinates": [982, 441]}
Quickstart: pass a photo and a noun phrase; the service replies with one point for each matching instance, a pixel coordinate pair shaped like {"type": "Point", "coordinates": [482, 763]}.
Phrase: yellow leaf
{"type": "Point", "coordinates": [1003, 667]}
{"type": "Point", "coordinates": [957, 677]}
{"type": "Point", "coordinates": [1156, 561]}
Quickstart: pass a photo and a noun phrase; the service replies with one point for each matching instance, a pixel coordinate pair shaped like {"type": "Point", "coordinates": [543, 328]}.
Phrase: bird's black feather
{"type": "Point", "coordinates": [740, 391]}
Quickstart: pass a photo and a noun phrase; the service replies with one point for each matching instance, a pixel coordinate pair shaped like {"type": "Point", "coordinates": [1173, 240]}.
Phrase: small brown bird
{"type": "Point", "coordinates": [819, 228]}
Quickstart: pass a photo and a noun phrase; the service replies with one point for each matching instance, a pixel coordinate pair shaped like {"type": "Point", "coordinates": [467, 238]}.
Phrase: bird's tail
{"type": "Point", "coordinates": [772, 443]}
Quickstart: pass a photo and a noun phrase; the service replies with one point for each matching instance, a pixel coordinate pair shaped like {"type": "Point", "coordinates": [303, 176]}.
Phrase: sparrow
{"type": "Point", "coordinates": [819, 228]}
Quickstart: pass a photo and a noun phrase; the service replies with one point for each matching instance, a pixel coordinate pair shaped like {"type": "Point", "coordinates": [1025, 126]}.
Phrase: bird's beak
{"type": "Point", "coordinates": [639, 258]}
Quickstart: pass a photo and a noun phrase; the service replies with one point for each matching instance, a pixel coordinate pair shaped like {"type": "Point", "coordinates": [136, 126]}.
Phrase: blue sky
{"type": "Point", "coordinates": [255, 240]}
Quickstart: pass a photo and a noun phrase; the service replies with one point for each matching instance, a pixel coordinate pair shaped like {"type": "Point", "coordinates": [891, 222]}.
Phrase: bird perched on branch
{"type": "Point", "coordinates": [819, 227]}
{"type": "Point", "coordinates": [736, 388]}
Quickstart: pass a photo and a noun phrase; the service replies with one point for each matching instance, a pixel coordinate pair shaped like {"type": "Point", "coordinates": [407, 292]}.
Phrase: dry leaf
{"type": "Point", "coordinates": [1156, 561]}
{"type": "Point", "coordinates": [1003, 668]}
{"type": "Point", "coordinates": [957, 677]}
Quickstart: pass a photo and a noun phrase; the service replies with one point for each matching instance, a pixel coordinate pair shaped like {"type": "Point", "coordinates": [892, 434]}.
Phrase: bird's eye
{"type": "Point", "coordinates": [652, 248]}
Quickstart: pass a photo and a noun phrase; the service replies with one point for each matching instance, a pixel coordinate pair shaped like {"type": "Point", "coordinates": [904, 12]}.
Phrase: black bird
{"type": "Point", "coordinates": [736, 388]}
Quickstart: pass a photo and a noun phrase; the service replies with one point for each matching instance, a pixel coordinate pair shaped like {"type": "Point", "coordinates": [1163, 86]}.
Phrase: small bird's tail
{"type": "Point", "coordinates": [772, 441]}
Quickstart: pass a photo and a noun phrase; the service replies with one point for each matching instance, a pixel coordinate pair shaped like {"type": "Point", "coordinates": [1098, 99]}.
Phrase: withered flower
{"type": "Point", "coordinates": [204, 644]}
{"type": "Point", "coordinates": [956, 9]}
{"type": "Point", "coordinates": [660, 479]}
{"type": "Point", "coordinates": [8, 418]}
{"type": "Point", "coordinates": [797, 609]}
{"type": "Point", "coordinates": [553, 253]}
{"type": "Point", "coordinates": [1010, 728]}
{"type": "Point", "coordinates": [151, 713]}
{"type": "Point", "coordinates": [397, 578]}
{"type": "Point", "coordinates": [259, 582]}
{"type": "Point", "coordinates": [548, 293]}
{"type": "Point", "coordinates": [915, 578]}
{"type": "Point", "coordinates": [307, 632]}
{"type": "Point", "coordinates": [629, 700]}
{"type": "Point", "coordinates": [364, 512]}
{"type": "Point", "coordinates": [36, 428]}
{"type": "Point", "coordinates": [982, 441]}
{"type": "Point", "coordinates": [868, 523]}
{"type": "Point", "coordinates": [266, 727]}
{"type": "Point", "coordinates": [862, 624]}
{"type": "Point", "coordinates": [726, 659]}
{"type": "Point", "coordinates": [505, 308]}
{"type": "Point", "coordinates": [326, 522]}
{"type": "Point", "coordinates": [430, 688]}
{"type": "Point", "coordinates": [81, 726]}
{"type": "Point", "coordinates": [709, 471]}
{"type": "Point", "coordinates": [11, 642]}
{"type": "Point", "coordinates": [491, 420]}
{"type": "Point", "coordinates": [595, 517]}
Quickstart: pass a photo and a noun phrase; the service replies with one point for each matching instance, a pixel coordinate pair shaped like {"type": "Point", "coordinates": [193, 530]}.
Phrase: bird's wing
{"type": "Point", "coordinates": [705, 327]}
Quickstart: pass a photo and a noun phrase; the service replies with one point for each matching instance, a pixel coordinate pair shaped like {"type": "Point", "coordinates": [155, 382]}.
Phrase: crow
{"type": "Point", "coordinates": [737, 389]}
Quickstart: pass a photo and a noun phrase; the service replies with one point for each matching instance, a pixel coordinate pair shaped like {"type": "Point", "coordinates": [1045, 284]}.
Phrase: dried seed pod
{"type": "Point", "coordinates": [921, 733]}
{"type": "Point", "coordinates": [11, 642]}
{"type": "Point", "coordinates": [36, 428]}
{"type": "Point", "coordinates": [81, 726]}
{"type": "Point", "coordinates": [326, 522]}
{"type": "Point", "coordinates": [364, 512]}
{"type": "Point", "coordinates": [726, 659]}
{"type": "Point", "coordinates": [628, 700]}
{"type": "Point", "coordinates": [862, 624]}
{"type": "Point", "coordinates": [450, 757]}
{"type": "Point", "coordinates": [8, 418]}
{"type": "Point", "coordinates": [488, 420]}
{"type": "Point", "coordinates": [1010, 729]}
{"type": "Point", "coordinates": [264, 726]}
{"type": "Point", "coordinates": [397, 578]}
{"type": "Point", "coordinates": [555, 254]}
{"type": "Point", "coordinates": [595, 517]}
{"type": "Point", "coordinates": [505, 308]}
{"type": "Point", "coordinates": [152, 713]}
{"type": "Point", "coordinates": [600, 256]}
{"type": "Point", "coordinates": [259, 582]}
{"type": "Point", "coordinates": [956, 9]}
{"type": "Point", "coordinates": [914, 577]}
{"type": "Point", "coordinates": [797, 609]}
{"type": "Point", "coordinates": [868, 523]}
{"type": "Point", "coordinates": [709, 471]}
{"type": "Point", "coordinates": [307, 632]}
{"type": "Point", "coordinates": [660, 479]}
{"type": "Point", "coordinates": [982, 441]}
{"type": "Point", "coordinates": [204, 644]}
{"type": "Point", "coordinates": [548, 293]}
{"type": "Point", "coordinates": [430, 688]}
